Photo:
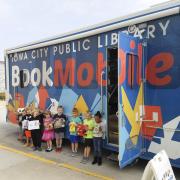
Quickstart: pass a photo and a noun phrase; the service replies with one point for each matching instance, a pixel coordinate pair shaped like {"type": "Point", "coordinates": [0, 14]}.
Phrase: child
{"type": "Point", "coordinates": [59, 127]}
{"type": "Point", "coordinates": [27, 132]}
{"type": "Point", "coordinates": [89, 123]}
{"type": "Point", "coordinates": [48, 134]}
{"type": "Point", "coordinates": [41, 114]}
{"type": "Point", "coordinates": [23, 118]}
{"type": "Point", "coordinates": [20, 119]}
{"type": "Point", "coordinates": [36, 133]}
{"type": "Point", "coordinates": [74, 121]}
{"type": "Point", "coordinates": [98, 133]}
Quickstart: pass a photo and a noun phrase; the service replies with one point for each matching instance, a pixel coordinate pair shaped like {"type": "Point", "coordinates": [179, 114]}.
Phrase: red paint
{"type": "Point", "coordinates": [90, 72]}
{"type": "Point", "coordinates": [101, 64]}
{"type": "Point", "coordinates": [131, 64]}
{"type": "Point", "coordinates": [122, 62]}
{"type": "Point", "coordinates": [12, 117]}
{"type": "Point", "coordinates": [43, 96]}
{"type": "Point", "coordinates": [67, 75]}
{"type": "Point", "coordinates": [64, 75]}
{"type": "Point", "coordinates": [132, 44]}
{"type": "Point", "coordinates": [20, 98]}
{"type": "Point", "coordinates": [139, 65]}
{"type": "Point", "coordinates": [153, 71]}
{"type": "Point", "coordinates": [149, 132]}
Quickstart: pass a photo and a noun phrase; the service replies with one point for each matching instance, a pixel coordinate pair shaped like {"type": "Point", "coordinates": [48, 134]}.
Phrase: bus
{"type": "Point", "coordinates": [128, 68]}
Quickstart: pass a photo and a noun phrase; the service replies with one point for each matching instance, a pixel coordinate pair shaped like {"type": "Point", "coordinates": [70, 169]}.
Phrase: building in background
{"type": "Point", "coordinates": [2, 77]}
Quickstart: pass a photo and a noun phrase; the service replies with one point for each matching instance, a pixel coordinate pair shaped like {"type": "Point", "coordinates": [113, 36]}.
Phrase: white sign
{"type": "Point", "coordinates": [159, 168]}
{"type": "Point", "coordinates": [25, 124]}
{"type": "Point", "coordinates": [32, 125]}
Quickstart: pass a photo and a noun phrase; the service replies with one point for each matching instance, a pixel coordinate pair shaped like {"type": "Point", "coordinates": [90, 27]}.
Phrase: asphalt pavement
{"type": "Point", "coordinates": [18, 162]}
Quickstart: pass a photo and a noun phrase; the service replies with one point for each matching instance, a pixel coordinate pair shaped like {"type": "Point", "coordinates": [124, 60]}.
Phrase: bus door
{"type": "Point", "coordinates": [130, 96]}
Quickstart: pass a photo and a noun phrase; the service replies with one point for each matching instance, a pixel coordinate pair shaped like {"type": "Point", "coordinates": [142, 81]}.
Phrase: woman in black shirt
{"type": "Point", "coordinates": [37, 133]}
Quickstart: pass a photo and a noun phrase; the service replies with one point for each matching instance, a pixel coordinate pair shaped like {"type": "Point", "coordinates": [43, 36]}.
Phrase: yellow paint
{"type": "Point", "coordinates": [63, 165]}
{"type": "Point", "coordinates": [32, 106]}
{"type": "Point", "coordinates": [131, 113]}
{"type": "Point", "coordinates": [16, 104]}
{"type": "Point", "coordinates": [81, 105]}
{"type": "Point", "coordinates": [27, 154]}
{"type": "Point", "coordinates": [73, 168]}
{"type": "Point", "coordinates": [10, 107]}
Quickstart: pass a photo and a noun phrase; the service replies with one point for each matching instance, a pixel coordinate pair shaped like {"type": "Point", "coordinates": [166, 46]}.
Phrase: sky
{"type": "Point", "coordinates": [23, 21]}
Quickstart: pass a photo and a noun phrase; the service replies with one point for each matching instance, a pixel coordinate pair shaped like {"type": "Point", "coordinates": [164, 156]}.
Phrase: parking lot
{"type": "Point", "coordinates": [20, 162]}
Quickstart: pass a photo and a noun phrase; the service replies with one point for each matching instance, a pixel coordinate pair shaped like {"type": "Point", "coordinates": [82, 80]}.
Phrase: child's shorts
{"type": "Point", "coordinates": [88, 142]}
{"type": "Point", "coordinates": [74, 138]}
{"type": "Point", "coordinates": [28, 133]}
{"type": "Point", "coordinates": [59, 135]}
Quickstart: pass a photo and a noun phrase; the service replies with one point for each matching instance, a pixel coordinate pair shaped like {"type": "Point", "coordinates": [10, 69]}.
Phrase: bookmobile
{"type": "Point", "coordinates": [128, 68]}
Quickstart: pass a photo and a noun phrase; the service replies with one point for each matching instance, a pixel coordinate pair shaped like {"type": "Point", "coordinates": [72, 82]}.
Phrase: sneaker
{"type": "Point", "coordinates": [31, 145]}
{"type": "Point", "coordinates": [39, 149]}
{"type": "Point", "coordinates": [83, 159]}
{"type": "Point", "coordinates": [26, 145]}
{"type": "Point", "coordinates": [95, 160]}
{"type": "Point", "coordinates": [47, 150]}
{"type": "Point", "coordinates": [35, 148]}
{"type": "Point", "coordinates": [73, 154]}
{"type": "Point", "coordinates": [86, 160]}
{"type": "Point", "coordinates": [99, 161]}
{"type": "Point", "coordinates": [58, 149]}
{"type": "Point", "coordinates": [50, 150]}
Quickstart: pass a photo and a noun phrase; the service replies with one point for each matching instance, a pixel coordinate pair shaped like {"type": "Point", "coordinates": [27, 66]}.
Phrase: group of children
{"type": "Point", "coordinates": [89, 130]}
